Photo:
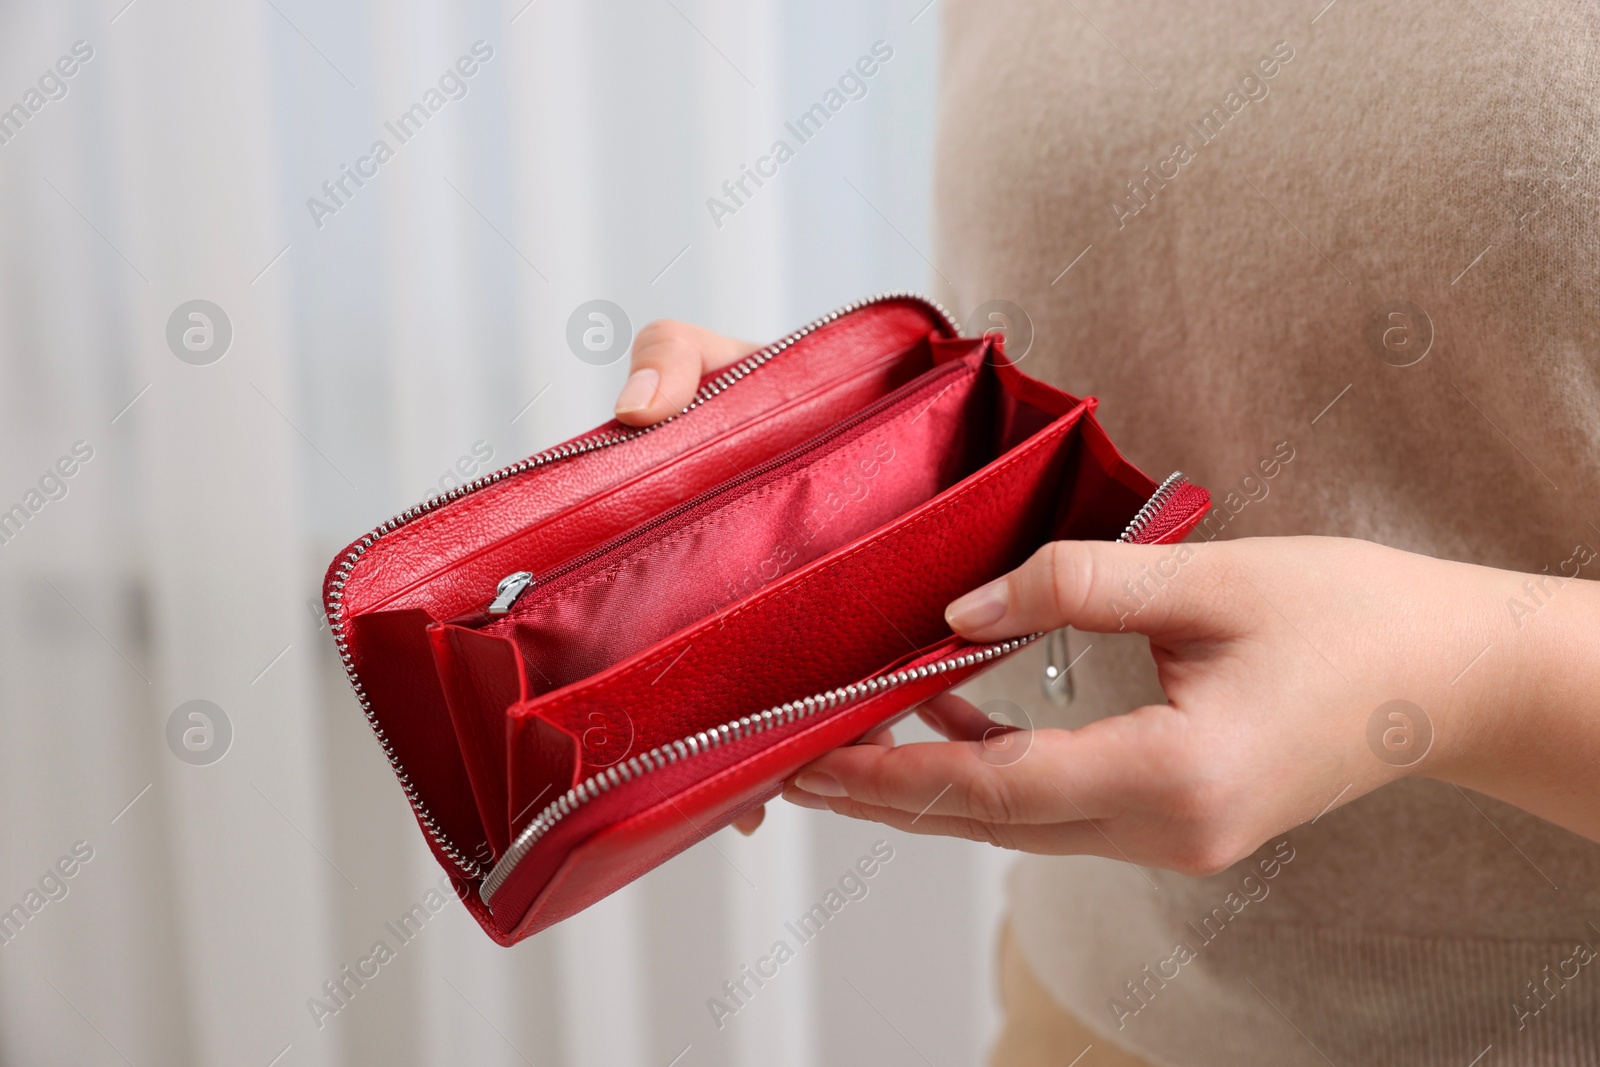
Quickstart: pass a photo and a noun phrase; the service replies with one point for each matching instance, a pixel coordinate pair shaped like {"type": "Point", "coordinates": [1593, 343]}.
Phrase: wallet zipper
{"type": "Point", "coordinates": [1152, 507]}
{"type": "Point", "coordinates": [514, 585]}
{"type": "Point", "coordinates": [783, 714]}
{"type": "Point", "coordinates": [333, 600]}
{"type": "Point", "coordinates": [508, 590]}
{"type": "Point", "coordinates": [706, 740]}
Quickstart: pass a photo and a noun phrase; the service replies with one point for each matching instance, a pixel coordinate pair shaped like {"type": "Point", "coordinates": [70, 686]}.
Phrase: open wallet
{"type": "Point", "coordinates": [582, 664]}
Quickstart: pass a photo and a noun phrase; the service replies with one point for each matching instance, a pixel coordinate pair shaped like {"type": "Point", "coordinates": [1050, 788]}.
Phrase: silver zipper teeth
{"type": "Point", "coordinates": [335, 608]}
{"type": "Point", "coordinates": [1157, 501]}
{"type": "Point", "coordinates": [716, 737]}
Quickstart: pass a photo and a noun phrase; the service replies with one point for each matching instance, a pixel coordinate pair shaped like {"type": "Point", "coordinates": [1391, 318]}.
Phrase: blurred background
{"type": "Point", "coordinates": [363, 346]}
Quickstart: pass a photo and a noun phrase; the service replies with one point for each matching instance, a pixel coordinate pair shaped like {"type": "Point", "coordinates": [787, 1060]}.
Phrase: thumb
{"type": "Point", "coordinates": [668, 361]}
{"type": "Point", "coordinates": [1097, 586]}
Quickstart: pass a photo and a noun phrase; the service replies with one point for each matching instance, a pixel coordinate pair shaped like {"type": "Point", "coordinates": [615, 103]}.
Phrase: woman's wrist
{"type": "Point", "coordinates": [1521, 722]}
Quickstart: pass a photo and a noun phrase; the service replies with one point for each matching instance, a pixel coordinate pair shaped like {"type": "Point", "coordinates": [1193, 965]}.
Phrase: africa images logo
{"type": "Point", "coordinates": [452, 85]}
{"type": "Point", "coordinates": [852, 85]}
{"type": "Point", "coordinates": [199, 332]}
{"type": "Point", "coordinates": [53, 85]}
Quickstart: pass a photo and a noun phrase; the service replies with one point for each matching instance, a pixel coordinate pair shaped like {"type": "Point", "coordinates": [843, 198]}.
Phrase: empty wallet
{"type": "Point", "coordinates": [582, 664]}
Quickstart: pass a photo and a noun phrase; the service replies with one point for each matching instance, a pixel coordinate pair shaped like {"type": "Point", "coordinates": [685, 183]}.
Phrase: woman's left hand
{"type": "Point", "coordinates": [1300, 673]}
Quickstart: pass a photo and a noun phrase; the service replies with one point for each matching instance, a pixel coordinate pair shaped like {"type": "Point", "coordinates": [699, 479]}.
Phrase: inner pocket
{"type": "Point", "coordinates": [724, 545]}
{"type": "Point", "coordinates": [853, 615]}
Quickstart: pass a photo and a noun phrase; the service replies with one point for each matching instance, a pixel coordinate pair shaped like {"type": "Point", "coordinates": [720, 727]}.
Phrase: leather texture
{"type": "Point", "coordinates": [798, 531]}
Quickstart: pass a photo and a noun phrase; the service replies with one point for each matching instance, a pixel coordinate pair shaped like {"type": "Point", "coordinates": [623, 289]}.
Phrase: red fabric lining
{"type": "Point", "coordinates": [646, 590]}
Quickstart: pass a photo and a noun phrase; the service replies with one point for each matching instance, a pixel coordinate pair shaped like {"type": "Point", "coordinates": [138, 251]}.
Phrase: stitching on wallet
{"type": "Point", "coordinates": [776, 593]}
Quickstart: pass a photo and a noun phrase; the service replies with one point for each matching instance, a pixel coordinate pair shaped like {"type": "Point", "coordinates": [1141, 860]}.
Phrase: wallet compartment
{"type": "Point", "coordinates": [886, 594]}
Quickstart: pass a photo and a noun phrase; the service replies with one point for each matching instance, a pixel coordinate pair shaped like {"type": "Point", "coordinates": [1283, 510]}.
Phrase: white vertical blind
{"type": "Point", "coordinates": [410, 332]}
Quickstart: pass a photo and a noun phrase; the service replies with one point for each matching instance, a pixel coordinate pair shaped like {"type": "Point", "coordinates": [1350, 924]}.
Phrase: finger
{"type": "Point", "coordinates": [1099, 586]}
{"type": "Point", "coordinates": [751, 820]}
{"type": "Point", "coordinates": [1106, 768]}
{"type": "Point", "coordinates": [1052, 839]}
{"type": "Point", "coordinates": [956, 719]}
{"type": "Point", "coordinates": [968, 779]}
{"type": "Point", "coordinates": [668, 361]}
{"type": "Point", "coordinates": [883, 737]}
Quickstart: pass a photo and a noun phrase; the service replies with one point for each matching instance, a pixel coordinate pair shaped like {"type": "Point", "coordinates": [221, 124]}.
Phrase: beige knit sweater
{"type": "Point", "coordinates": [1211, 213]}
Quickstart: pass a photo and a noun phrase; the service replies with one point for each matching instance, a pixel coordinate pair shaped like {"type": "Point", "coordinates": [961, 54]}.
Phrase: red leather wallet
{"type": "Point", "coordinates": [583, 664]}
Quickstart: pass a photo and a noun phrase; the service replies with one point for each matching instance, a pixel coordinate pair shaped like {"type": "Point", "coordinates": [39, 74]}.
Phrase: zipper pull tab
{"type": "Point", "coordinates": [506, 593]}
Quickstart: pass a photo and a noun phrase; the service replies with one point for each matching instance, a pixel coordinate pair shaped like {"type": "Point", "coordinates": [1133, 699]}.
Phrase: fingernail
{"type": "Point", "coordinates": [983, 606]}
{"type": "Point", "coordinates": [804, 800]}
{"type": "Point", "coordinates": [819, 784]}
{"type": "Point", "coordinates": [639, 390]}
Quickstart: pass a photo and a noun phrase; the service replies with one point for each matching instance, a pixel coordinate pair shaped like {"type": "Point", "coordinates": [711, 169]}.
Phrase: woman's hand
{"type": "Point", "coordinates": [1277, 656]}
{"type": "Point", "coordinates": [666, 365]}
{"type": "Point", "coordinates": [1280, 658]}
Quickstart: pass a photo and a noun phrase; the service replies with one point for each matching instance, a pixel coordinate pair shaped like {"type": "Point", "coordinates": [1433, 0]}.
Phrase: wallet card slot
{"type": "Point", "coordinates": [398, 669]}
{"type": "Point", "coordinates": [481, 676]}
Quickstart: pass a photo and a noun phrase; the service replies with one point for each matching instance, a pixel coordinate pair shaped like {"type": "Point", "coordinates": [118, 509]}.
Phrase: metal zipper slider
{"type": "Point", "coordinates": [1057, 679]}
{"type": "Point", "coordinates": [506, 593]}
